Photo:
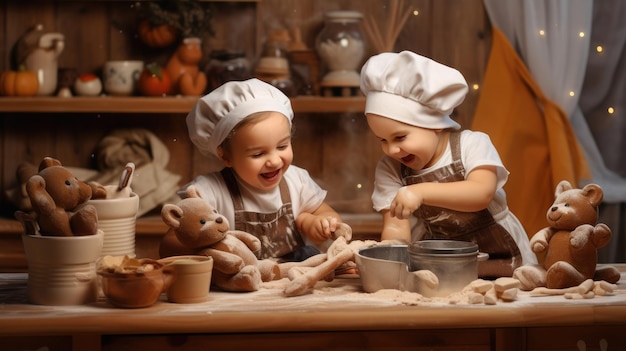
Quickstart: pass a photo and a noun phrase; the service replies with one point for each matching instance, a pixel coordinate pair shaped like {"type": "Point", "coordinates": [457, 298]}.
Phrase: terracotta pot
{"type": "Point", "coordinates": [135, 289]}
{"type": "Point", "coordinates": [191, 278]}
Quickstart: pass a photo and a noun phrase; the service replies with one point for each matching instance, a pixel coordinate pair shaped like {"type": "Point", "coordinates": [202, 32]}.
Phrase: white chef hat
{"type": "Point", "coordinates": [217, 113]}
{"type": "Point", "coordinates": [412, 89]}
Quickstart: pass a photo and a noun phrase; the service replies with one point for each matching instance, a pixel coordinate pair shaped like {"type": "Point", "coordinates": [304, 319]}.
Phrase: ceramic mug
{"type": "Point", "coordinates": [120, 77]}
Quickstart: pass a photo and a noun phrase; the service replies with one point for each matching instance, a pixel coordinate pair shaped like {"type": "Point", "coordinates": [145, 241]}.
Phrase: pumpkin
{"type": "Point", "coordinates": [159, 36]}
{"type": "Point", "coordinates": [19, 83]}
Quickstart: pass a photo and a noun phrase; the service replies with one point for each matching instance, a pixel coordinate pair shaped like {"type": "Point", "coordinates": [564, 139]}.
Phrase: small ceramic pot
{"type": "Point", "coordinates": [121, 77]}
{"type": "Point", "coordinates": [135, 289]}
{"type": "Point", "coordinates": [91, 87]}
{"type": "Point", "coordinates": [62, 270]}
{"type": "Point", "coordinates": [191, 280]}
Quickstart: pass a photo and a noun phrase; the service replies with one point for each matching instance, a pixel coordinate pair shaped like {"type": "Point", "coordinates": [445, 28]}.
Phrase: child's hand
{"type": "Point", "coordinates": [405, 203]}
{"type": "Point", "coordinates": [321, 228]}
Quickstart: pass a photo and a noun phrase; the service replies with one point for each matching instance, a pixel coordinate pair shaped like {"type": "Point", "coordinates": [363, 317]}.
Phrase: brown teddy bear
{"type": "Point", "coordinates": [58, 202]}
{"type": "Point", "coordinates": [183, 68]}
{"type": "Point", "coordinates": [197, 229]}
{"type": "Point", "coordinates": [570, 242]}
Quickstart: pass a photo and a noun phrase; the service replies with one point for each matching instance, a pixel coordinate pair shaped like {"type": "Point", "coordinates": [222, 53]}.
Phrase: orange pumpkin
{"type": "Point", "coordinates": [19, 83]}
{"type": "Point", "coordinates": [157, 36]}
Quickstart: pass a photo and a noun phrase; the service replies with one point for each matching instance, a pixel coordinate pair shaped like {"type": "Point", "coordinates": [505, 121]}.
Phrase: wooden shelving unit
{"type": "Point", "coordinates": [171, 105]}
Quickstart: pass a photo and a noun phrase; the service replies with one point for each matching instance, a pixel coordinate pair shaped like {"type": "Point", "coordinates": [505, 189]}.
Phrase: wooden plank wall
{"type": "Point", "coordinates": [337, 149]}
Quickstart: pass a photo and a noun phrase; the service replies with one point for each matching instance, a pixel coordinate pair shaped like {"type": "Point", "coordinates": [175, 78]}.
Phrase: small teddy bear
{"type": "Point", "coordinates": [183, 68]}
{"type": "Point", "coordinates": [570, 242]}
{"type": "Point", "coordinates": [58, 200]}
{"type": "Point", "coordinates": [196, 228]}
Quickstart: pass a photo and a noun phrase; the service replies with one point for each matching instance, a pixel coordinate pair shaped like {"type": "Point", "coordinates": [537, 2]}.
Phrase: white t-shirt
{"type": "Point", "coordinates": [476, 150]}
{"type": "Point", "coordinates": [306, 195]}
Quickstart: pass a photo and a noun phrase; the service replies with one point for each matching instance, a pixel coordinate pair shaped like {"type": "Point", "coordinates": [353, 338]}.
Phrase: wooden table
{"type": "Point", "coordinates": [336, 315]}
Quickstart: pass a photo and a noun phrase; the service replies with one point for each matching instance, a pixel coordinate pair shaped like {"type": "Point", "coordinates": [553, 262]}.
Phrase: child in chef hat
{"type": "Point", "coordinates": [436, 181]}
{"type": "Point", "coordinates": [246, 126]}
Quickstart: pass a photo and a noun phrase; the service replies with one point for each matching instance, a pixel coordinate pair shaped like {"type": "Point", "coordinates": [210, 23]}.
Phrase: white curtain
{"type": "Point", "coordinates": [558, 40]}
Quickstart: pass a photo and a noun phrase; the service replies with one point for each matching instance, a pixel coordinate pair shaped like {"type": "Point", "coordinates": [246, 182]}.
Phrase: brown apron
{"type": "Point", "coordinates": [478, 227]}
{"type": "Point", "coordinates": [276, 230]}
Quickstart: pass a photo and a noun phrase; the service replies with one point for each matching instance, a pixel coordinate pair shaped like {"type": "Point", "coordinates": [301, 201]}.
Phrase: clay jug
{"type": "Point", "coordinates": [38, 51]}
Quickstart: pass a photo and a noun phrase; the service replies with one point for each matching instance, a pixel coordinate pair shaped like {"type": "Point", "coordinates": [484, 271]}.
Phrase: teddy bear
{"type": "Point", "coordinates": [570, 242]}
{"type": "Point", "coordinates": [196, 228]}
{"type": "Point", "coordinates": [183, 68]}
{"type": "Point", "coordinates": [58, 200]}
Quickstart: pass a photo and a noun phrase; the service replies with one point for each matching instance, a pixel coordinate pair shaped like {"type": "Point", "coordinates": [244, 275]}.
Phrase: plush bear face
{"type": "Point", "coordinates": [573, 207]}
{"type": "Point", "coordinates": [58, 199]}
{"type": "Point", "coordinates": [67, 191]}
{"type": "Point", "coordinates": [195, 222]}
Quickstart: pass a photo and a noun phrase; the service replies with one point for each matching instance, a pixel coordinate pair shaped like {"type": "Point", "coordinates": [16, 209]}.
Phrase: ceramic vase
{"type": "Point", "coordinates": [117, 219]}
{"type": "Point", "coordinates": [62, 270]}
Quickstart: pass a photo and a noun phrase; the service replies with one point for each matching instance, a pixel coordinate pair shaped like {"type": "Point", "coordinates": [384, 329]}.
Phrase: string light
{"type": "Point", "coordinates": [581, 34]}
{"type": "Point", "coordinates": [542, 32]}
{"type": "Point", "coordinates": [416, 12]}
{"type": "Point", "coordinates": [475, 86]}
{"type": "Point", "coordinates": [571, 93]}
{"type": "Point", "coordinates": [610, 110]}
{"type": "Point", "coordinates": [599, 49]}
{"type": "Point", "coordinates": [359, 186]}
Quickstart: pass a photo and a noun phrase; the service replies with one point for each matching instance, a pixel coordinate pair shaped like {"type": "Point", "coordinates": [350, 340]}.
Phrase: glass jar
{"type": "Point", "coordinates": [225, 66]}
{"type": "Point", "coordinates": [341, 46]}
{"type": "Point", "coordinates": [273, 66]}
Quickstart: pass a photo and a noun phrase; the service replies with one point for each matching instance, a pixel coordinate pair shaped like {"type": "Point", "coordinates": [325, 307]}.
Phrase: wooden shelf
{"type": "Point", "coordinates": [180, 104]}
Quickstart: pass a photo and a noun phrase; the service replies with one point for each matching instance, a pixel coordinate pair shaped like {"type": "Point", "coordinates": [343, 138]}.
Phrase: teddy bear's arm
{"type": "Point", "coordinates": [251, 241]}
{"type": "Point", "coordinates": [225, 262]}
{"type": "Point", "coordinates": [98, 191]}
{"type": "Point", "coordinates": [601, 235]}
{"type": "Point", "coordinates": [539, 241]}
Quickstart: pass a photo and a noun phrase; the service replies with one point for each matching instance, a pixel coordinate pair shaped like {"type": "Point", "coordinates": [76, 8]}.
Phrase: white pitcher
{"type": "Point", "coordinates": [39, 52]}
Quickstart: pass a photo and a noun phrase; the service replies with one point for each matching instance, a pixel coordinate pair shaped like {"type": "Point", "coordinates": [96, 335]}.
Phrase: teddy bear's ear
{"type": "Point", "coordinates": [48, 162]}
{"type": "Point", "coordinates": [171, 215]}
{"type": "Point", "coordinates": [192, 191]}
{"type": "Point", "coordinates": [561, 187]}
{"type": "Point", "coordinates": [594, 193]}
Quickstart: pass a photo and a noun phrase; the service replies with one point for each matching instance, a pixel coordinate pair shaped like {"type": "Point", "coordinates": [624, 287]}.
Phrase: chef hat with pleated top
{"type": "Point", "coordinates": [412, 89]}
{"type": "Point", "coordinates": [216, 114]}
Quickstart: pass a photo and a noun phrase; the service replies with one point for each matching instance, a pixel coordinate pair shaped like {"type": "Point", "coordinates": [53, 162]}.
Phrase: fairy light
{"type": "Point", "coordinates": [599, 49]}
{"type": "Point", "coordinates": [416, 12]}
{"type": "Point", "coordinates": [571, 94]}
{"type": "Point", "coordinates": [581, 34]}
{"type": "Point", "coordinates": [359, 186]}
{"type": "Point", "coordinates": [542, 32]}
{"type": "Point", "coordinates": [475, 86]}
{"type": "Point", "coordinates": [610, 110]}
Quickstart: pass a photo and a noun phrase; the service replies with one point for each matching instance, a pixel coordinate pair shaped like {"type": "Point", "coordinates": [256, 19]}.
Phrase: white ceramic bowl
{"type": "Point", "coordinates": [91, 87]}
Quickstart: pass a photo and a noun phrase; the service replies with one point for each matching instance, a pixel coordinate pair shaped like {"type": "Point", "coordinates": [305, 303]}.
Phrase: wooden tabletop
{"type": "Point", "coordinates": [337, 305]}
